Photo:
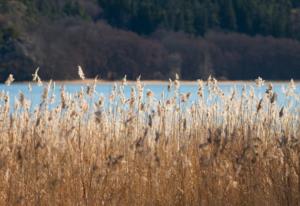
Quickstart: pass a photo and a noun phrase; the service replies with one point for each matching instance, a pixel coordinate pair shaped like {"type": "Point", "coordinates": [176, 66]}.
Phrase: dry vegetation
{"type": "Point", "coordinates": [235, 149]}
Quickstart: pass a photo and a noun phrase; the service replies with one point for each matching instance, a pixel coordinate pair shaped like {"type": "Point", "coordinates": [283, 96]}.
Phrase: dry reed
{"type": "Point", "coordinates": [233, 149]}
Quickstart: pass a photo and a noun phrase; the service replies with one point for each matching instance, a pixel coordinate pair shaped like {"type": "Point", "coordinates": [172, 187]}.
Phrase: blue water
{"type": "Point", "coordinates": [106, 88]}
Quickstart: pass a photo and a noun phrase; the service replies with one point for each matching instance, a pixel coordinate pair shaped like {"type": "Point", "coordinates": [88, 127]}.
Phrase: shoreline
{"type": "Point", "coordinates": [154, 82]}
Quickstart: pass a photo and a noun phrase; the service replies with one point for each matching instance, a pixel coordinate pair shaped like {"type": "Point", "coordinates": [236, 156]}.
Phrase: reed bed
{"type": "Point", "coordinates": [223, 149]}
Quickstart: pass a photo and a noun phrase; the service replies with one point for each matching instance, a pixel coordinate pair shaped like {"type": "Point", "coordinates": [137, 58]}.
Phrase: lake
{"type": "Point", "coordinates": [104, 89]}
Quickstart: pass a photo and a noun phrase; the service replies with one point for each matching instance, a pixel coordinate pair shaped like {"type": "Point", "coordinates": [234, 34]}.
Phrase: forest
{"type": "Point", "coordinates": [230, 39]}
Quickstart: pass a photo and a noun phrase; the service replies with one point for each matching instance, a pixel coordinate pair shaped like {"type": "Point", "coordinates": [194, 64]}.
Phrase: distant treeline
{"type": "Point", "coordinates": [230, 39]}
{"type": "Point", "coordinates": [267, 17]}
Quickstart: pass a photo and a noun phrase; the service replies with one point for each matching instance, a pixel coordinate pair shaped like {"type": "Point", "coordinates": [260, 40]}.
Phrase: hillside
{"type": "Point", "coordinates": [231, 39]}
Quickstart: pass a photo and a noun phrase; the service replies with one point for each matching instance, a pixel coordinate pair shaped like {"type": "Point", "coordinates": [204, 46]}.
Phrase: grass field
{"type": "Point", "coordinates": [92, 150]}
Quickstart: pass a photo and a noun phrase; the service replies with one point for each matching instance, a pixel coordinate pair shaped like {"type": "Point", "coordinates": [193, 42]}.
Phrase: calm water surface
{"type": "Point", "coordinates": [104, 89]}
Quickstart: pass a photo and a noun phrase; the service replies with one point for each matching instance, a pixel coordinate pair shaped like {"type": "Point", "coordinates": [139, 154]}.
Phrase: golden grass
{"type": "Point", "coordinates": [238, 150]}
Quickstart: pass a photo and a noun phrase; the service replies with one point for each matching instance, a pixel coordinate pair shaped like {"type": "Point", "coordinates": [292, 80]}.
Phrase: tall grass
{"type": "Point", "coordinates": [233, 149]}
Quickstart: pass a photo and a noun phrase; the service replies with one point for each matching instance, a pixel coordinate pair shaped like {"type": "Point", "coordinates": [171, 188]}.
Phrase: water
{"type": "Point", "coordinates": [104, 89]}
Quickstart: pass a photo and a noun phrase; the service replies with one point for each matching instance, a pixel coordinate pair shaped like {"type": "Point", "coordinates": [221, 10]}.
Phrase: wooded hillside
{"type": "Point", "coordinates": [231, 39]}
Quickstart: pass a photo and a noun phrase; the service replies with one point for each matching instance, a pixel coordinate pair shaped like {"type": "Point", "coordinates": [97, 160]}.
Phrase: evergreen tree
{"type": "Point", "coordinates": [228, 16]}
